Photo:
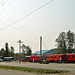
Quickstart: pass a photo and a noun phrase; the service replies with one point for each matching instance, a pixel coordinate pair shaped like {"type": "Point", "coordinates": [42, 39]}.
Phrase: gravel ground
{"type": "Point", "coordinates": [66, 67]}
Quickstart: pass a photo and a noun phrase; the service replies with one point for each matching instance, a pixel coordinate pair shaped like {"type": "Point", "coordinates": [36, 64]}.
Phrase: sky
{"type": "Point", "coordinates": [27, 20]}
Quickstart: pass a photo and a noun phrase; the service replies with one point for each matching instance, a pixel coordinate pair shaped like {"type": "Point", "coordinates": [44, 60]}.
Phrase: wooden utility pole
{"type": "Point", "coordinates": [19, 49]}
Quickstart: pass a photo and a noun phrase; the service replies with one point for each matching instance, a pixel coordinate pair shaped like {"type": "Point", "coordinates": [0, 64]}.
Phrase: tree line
{"type": "Point", "coordinates": [9, 52]}
{"type": "Point", "coordinates": [65, 42]}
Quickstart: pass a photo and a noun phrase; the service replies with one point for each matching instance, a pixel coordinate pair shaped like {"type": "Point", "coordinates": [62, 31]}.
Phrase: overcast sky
{"type": "Point", "coordinates": [27, 20]}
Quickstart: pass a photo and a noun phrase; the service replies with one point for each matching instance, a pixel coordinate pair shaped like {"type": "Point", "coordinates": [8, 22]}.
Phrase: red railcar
{"type": "Point", "coordinates": [53, 58]}
{"type": "Point", "coordinates": [67, 57]}
{"type": "Point", "coordinates": [35, 58]}
{"type": "Point", "coordinates": [50, 58]}
{"type": "Point", "coordinates": [58, 57]}
{"type": "Point", "coordinates": [70, 57]}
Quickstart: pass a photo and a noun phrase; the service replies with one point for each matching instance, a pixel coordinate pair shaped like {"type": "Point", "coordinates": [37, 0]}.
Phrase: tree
{"type": "Point", "coordinates": [6, 47]}
{"type": "Point", "coordinates": [65, 42]}
{"type": "Point", "coordinates": [70, 41]}
{"type": "Point", "coordinates": [23, 50]}
{"type": "Point", "coordinates": [61, 43]}
{"type": "Point", "coordinates": [12, 51]}
{"type": "Point", "coordinates": [2, 52]}
{"type": "Point", "coordinates": [28, 50]}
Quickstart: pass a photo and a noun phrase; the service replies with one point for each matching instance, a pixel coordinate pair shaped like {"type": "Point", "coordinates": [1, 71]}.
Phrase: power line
{"type": "Point", "coordinates": [19, 29]}
{"type": "Point", "coordinates": [1, 1]}
{"type": "Point", "coordinates": [27, 30]}
{"type": "Point", "coordinates": [23, 29]}
{"type": "Point", "coordinates": [45, 45]}
{"type": "Point", "coordinates": [24, 9]}
{"type": "Point", "coordinates": [21, 35]}
{"type": "Point", "coordinates": [24, 36]}
{"type": "Point", "coordinates": [28, 14]}
{"type": "Point", "coordinates": [27, 9]}
{"type": "Point", "coordinates": [7, 6]}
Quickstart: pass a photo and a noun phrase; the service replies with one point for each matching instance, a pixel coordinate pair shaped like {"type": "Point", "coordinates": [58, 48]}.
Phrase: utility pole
{"type": "Point", "coordinates": [40, 46]}
{"type": "Point", "coordinates": [19, 49]}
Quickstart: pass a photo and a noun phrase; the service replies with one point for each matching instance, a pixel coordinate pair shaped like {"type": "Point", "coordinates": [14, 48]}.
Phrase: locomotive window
{"type": "Point", "coordinates": [72, 56]}
{"type": "Point", "coordinates": [51, 57]}
{"type": "Point", "coordinates": [55, 56]}
{"type": "Point", "coordinates": [68, 56]}
{"type": "Point", "coordinates": [59, 56]}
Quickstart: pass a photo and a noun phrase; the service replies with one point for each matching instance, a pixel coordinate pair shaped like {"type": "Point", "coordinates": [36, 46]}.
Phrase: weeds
{"type": "Point", "coordinates": [25, 69]}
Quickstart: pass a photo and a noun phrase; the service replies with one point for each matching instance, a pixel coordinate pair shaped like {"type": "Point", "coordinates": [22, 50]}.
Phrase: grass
{"type": "Point", "coordinates": [32, 70]}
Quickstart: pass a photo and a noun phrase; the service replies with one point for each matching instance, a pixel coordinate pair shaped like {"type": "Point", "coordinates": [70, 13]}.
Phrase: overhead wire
{"type": "Point", "coordinates": [27, 9]}
{"type": "Point", "coordinates": [45, 45]}
{"type": "Point", "coordinates": [21, 31]}
{"type": "Point", "coordinates": [22, 9]}
{"type": "Point", "coordinates": [7, 6]}
{"type": "Point", "coordinates": [28, 14]}
{"type": "Point", "coordinates": [25, 28]}
{"type": "Point", "coordinates": [22, 35]}
{"type": "Point", "coordinates": [1, 1]}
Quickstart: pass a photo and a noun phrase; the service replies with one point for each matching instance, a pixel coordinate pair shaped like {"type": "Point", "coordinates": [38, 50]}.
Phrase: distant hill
{"type": "Point", "coordinates": [38, 52]}
{"type": "Point", "coordinates": [50, 52]}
